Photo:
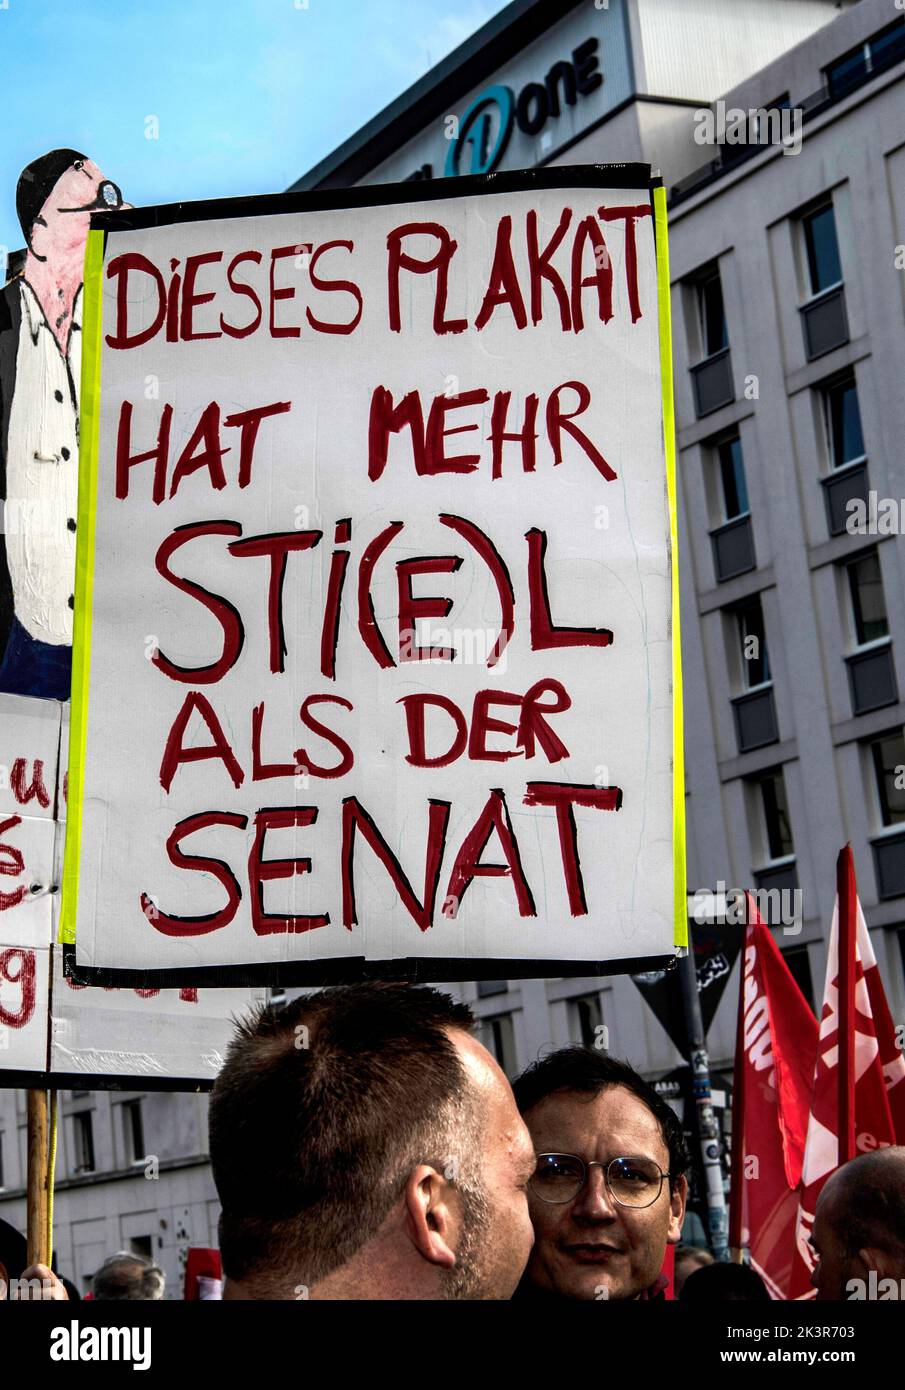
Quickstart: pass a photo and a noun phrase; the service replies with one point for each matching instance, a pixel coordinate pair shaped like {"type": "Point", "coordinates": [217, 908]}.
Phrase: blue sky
{"type": "Point", "coordinates": [248, 94]}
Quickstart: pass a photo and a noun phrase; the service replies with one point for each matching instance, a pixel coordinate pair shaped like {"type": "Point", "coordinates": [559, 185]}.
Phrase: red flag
{"type": "Point", "coordinates": [776, 1048]}
{"type": "Point", "coordinates": [859, 1087]}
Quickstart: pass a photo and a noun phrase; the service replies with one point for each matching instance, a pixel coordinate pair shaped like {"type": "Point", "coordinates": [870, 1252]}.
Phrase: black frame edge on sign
{"type": "Point", "coordinates": [633, 175]}
{"type": "Point", "coordinates": [349, 970]}
{"type": "Point", "coordinates": [98, 1081]}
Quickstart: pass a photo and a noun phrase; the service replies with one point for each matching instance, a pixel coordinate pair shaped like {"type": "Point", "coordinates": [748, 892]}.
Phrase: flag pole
{"type": "Point", "coordinates": [846, 891]}
{"type": "Point", "coordinates": [737, 1158]}
{"type": "Point", "coordinates": [37, 1198]}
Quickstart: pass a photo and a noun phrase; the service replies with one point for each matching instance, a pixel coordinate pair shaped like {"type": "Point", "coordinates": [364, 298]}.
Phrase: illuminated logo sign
{"type": "Point", "coordinates": [474, 130]}
{"type": "Point", "coordinates": [487, 124]}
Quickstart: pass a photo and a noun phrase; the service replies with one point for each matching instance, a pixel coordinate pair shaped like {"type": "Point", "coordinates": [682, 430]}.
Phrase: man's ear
{"type": "Point", "coordinates": [677, 1201]}
{"type": "Point", "coordinates": [431, 1219]}
{"type": "Point", "coordinates": [4, 1281]}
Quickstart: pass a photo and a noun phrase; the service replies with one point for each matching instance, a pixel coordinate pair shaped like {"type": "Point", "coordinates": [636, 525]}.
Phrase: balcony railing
{"type": "Point", "coordinates": [733, 548]}
{"type": "Point", "coordinates": [782, 876]}
{"type": "Point", "coordinates": [713, 385]}
{"type": "Point", "coordinates": [824, 323]}
{"type": "Point", "coordinates": [755, 719]}
{"type": "Point", "coordinates": [872, 678]}
{"type": "Point", "coordinates": [844, 485]}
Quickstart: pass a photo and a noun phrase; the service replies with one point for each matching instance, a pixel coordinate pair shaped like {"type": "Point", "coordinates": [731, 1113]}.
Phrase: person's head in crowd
{"type": "Point", "coordinates": [128, 1278]}
{"type": "Point", "coordinates": [609, 1190]}
{"type": "Point", "coordinates": [724, 1283]}
{"type": "Point", "coordinates": [364, 1145]}
{"type": "Point", "coordinates": [688, 1259]}
{"type": "Point", "coordinates": [859, 1227]}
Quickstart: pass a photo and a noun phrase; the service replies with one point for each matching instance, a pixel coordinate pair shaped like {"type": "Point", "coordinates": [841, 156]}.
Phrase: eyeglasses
{"type": "Point", "coordinates": [632, 1182]}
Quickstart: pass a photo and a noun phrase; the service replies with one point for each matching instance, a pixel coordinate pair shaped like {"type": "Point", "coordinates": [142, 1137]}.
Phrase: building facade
{"type": "Point", "coordinates": [779, 129]}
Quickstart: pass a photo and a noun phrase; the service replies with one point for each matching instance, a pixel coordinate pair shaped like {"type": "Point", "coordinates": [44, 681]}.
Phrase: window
{"type": "Point", "coordinates": [133, 1131]}
{"type": "Point", "coordinates": [486, 988]}
{"type": "Point", "coordinates": [82, 1143]}
{"type": "Point", "coordinates": [888, 755]}
{"type": "Point", "coordinates": [499, 1038]}
{"type": "Point", "coordinates": [711, 313]}
{"type": "Point", "coordinates": [881, 51]}
{"type": "Point", "coordinates": [586, 1018]}
{"type": "Point", "coordinates": [733, 489]}
{"type": "Point", "coordinates": [799, 963]}
{"type": "Point", "coordinates": [843, 423]}
{"type": "Point", "coordinates": [822, 249]}
{"type": "Point", "coordinates": [752, 644]}
{"type": "Point", "coordinates": [775, 809]}
{"type": "Point", "coordinates": [887, 47]}
{"type": "Point", "coordinates": [868, 604]}
{"type": "Point", "coordinates": [141, 1245]}
{"type": "Point", "coordinates": [848, 71]}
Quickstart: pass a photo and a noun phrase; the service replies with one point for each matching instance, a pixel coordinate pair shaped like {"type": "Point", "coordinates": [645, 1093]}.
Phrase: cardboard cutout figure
{"type": "Point", "coordinates": [40, 364]}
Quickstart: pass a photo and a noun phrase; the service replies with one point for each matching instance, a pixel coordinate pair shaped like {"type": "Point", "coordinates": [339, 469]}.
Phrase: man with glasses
{"type": "Point", "coordinates": [608, 1194]}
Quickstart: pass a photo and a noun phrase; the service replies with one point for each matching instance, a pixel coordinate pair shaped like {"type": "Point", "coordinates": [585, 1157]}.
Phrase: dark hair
{"type": "Point", "coordinates": [321, 1110]}
{"type": "Point", "coordinates": [724, 1283]}
{"type": "Point", "coordinates": [36, 183]}
{"type": "Point", "coordinates": [585, 1070]}
{"type": "Point", "coordinates": [128, 1278]}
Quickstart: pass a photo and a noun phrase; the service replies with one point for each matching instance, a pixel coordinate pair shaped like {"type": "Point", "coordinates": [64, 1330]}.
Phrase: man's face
{"type": "Point", "coordinates": [592, 1247]}
{"type": "Point", "coordinates": [833, 1267]}
{"type": "Point", "coordinates": [507, 1154]}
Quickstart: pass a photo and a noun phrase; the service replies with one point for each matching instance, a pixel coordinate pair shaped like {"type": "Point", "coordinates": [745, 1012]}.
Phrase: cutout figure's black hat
{"type": "Point", "coordinates": [36, 183]}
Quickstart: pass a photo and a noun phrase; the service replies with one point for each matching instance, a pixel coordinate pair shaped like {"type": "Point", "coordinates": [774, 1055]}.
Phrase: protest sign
{"type": "Point", "coordinates": [375, 655]}
{"type": "Point", "coordinates": [54, 1031]}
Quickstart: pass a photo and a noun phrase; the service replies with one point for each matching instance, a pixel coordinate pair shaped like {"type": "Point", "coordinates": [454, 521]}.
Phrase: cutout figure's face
{"type": "Point", "coordinates": [62, 225]}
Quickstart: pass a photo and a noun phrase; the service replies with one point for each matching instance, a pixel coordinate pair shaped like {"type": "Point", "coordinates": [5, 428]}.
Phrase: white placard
{"type": "Point", "coordinates": [380, 614]}
{"type": "Point", "coordinates": [24, 993]}
{"type": "Point", "coordinates": [29, 878]}
{"type": "Point", "coordinates": [143, 1033]}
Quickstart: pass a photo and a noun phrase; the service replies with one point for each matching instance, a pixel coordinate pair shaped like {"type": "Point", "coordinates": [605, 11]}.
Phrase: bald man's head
{"type": "Point", "coordinates": [859, 1224]}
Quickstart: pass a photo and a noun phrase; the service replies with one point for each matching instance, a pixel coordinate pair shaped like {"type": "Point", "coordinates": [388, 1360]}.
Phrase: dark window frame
{"type": "Point", "coordinates": [888, 816]}
{"type": "Point", "coordinates": [705, 278]}
{"type": "Point", "coordinates": [773, 835]}
{"type": "Point", "coordinates": [740, 614]}
{"type": "Point", "coordinates": [812, 250]}
{"type": "Point", "coordinates": [859, 622]}
{"type": "Point", "coordinates": [830, 391]}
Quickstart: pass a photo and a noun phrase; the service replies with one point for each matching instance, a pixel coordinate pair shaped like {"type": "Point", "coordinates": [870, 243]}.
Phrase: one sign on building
{"type": "Point", "coordinates": [375, 649]}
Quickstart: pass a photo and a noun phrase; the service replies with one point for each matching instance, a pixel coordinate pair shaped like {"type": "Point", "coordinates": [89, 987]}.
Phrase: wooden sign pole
{"type": "Point", "coordinates": [38, 1188]}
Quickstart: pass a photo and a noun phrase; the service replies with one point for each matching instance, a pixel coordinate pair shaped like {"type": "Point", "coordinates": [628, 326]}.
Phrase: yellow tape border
{"type": "Point", "coordinates": [89, 431]}
{"type": "Point", "coordinates": [664, 304]}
